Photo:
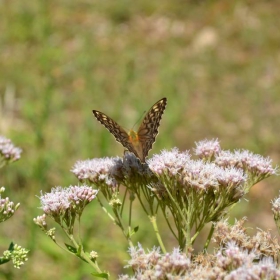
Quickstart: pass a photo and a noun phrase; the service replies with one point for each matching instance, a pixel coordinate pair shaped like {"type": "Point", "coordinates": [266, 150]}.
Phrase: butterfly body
{"type": "Point", "coordinates": [139, 142]}
{"type": "Point", "coordinates": [135, 142]}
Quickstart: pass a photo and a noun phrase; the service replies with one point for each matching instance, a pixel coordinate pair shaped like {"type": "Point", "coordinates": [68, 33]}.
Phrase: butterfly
{"type": "Point", "coordinates": [140, 142]}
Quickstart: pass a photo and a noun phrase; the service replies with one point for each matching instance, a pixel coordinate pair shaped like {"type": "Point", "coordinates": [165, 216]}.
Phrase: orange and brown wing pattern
{"type": "Point", "coordinates": [148, 129]}
{"type": "Point", "coordinates": [114, 128]}
{"type": "Point", "coordinates": [141, 142]}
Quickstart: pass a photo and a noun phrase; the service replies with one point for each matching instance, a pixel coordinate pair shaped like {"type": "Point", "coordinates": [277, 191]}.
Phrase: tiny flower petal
{"type": "Point", "coordinates": [7, 149]}
{"type": "Point", "coordinates": [98, 171]}
{"type": "Point", "coordinates": [169, 162]}
{"type": "Point", "coordinates": [59, 200]}
{"type": "Point", "coordinates": [207, 148]}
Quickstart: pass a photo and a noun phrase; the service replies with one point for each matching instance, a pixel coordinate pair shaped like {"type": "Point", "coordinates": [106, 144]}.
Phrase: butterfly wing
{"type": "Point", "coordinates": [148, 129]}
{"type": "Point", "coordinates": [119, 133]}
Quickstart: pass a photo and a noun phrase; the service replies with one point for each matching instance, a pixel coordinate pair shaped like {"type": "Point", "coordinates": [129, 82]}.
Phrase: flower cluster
{"type": "Point", "coordinates": [64, 204]}
{"type": "Point", "coordinates": [99, 171]}
{"type": "Point", "coordinates": [8, 151]}
{"type": "Point", "coordinates": [7, 207]}
{"type": "Point", "coordinates": [192, 187]}
{"type": "Point", "coordinates": [41, 222]}
{"type": "Point", "coordinates": [184, 172]}
{"type": "Point", "coordinates": [207, 149]}
{"type": "Point", "coordinates": [109, 173]}
{"type": "Point", "coordinates": [190, 192]}
{"type": "Point", "coordinates": [61, 199]}
{"type": "Point", "coordinates": [257, 166]}
{"type": "Point", "coordinates": [239, 158]}
{"type": "Point", "coordinates": [16, 254]}
{"type": "Point", "coordinates": [186, 187]}
{"type": "Point", "coordinates": [169, 163]}
{"type": "Point", "coordinates": [230, 262]}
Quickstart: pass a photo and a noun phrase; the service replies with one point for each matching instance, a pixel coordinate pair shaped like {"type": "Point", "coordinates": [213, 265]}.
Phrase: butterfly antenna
{"type": "Point", "coordinates": [139, 119]}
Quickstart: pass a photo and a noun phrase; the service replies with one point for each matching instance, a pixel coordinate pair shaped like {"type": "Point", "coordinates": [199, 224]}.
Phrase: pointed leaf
{"type": "Point", "coordinates": [100, 275]}
{"type": "Point", "coordinates": [2, 261]}
{"type": "Point", "coordinates": [11, 246]}
{"type": "Point", "coordinates": [71, 248]}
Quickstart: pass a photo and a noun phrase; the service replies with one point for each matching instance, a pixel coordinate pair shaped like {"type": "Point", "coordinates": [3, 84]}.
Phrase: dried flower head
{"type": "Point", "coordinates": [157, 265]}
{"type": "Point", "coordinates": [233, 257]}
{"type": "Point", "coordinates": [135, 172]}
{"type": "Point", "coordinates": [264, 269]}
{"type": "Point", "coordinates": [276, 207]}
{"type": "Point", "coordinates": [262, 244]}
{"type": "Point", "coordinates": [175, 263]}
{"type": "Point", "coordinates": [230, 262]}
{"type": "Point", "coordinates": [225, 233]}
{"type": "Point", "coordinates": [265, 244]}
{"type": "Point", "coordinates": [276, 212]}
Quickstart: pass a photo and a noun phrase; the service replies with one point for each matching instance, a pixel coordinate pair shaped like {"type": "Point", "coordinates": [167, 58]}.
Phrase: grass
{"type": "Point", "coordinates": [217, 63]}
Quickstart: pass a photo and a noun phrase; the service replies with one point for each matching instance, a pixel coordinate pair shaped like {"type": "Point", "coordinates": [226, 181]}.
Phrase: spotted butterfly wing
{"type": "Point", "coordinates": [148, 129]}
{"type": "Point", "coordinates": [120, 134]}
{"type": "Point", "coordinates": [139, 142]}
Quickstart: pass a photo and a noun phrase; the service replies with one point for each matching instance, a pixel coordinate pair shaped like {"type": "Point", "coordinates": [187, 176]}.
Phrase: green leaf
{"type": "Point", "coordinates": [101, 275]}
{"type": "Point", "coordinates": [75, 251]}
{"type": "Point", "coordinates": [71, 248]}
{"type": "Point", "coordinates": [11, 247]}
{"type": "Point", "coordinates": [2, 261]}
{"type": "Point", "coordinates": [131, 232]}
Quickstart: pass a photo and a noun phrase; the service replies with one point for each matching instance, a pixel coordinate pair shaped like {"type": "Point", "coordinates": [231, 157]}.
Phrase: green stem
{"type": "Point", "coordinates": [209, 238]}
{"type": "Point", "coordinates": [154, 223]}
{"type": "Point", "coordinates": [190, 210]}
{"type": "Point", "coordinates": [141, 202]}
{"type": "Point", "coordinates": [123, 202]}
{"type": "Point", "coordinates": [83, 255]}
{"type": "Point", "coordinates": [130, 211]}
{"type": "Point", "coordinates": [188, 233]}
{"type": "Point", "coordinates": [174, 203]}
{"type": "Point", "coordinates": [120, 224]}
{"type": "Point", "coordinates": [105, 210]}
{"type": "Point", "coordinates": [277, 222]}
{"type": "Point", "coordinates": [167, 221]}
{"type": "Point", "coordinates": [79, 229]}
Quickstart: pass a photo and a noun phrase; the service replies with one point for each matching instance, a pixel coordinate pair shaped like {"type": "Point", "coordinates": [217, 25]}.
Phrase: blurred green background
{"type": "Point", "coordinates": [217, 62]}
